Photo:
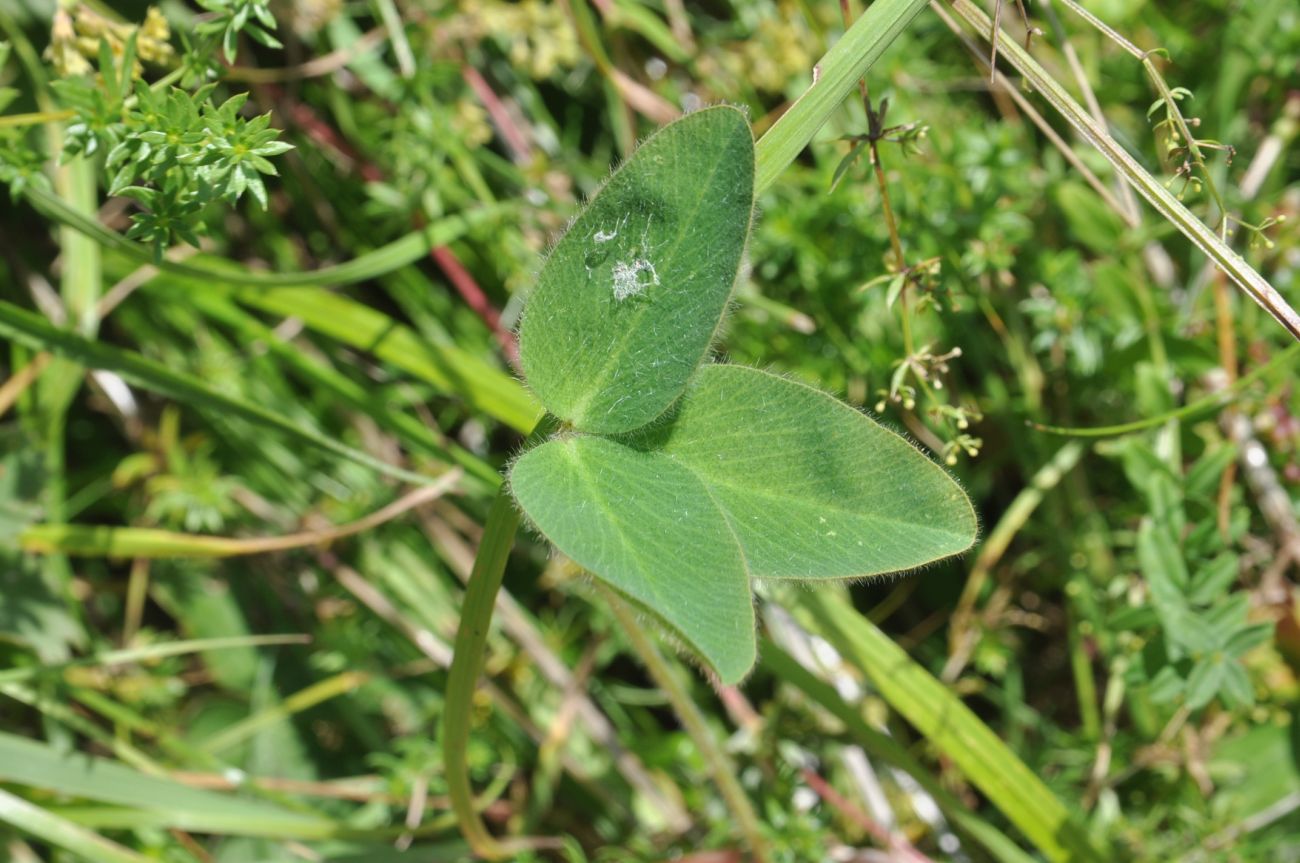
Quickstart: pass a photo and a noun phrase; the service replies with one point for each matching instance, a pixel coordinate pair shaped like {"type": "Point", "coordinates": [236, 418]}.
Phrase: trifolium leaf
{"type": "Point", "coordinates": [630, 298]}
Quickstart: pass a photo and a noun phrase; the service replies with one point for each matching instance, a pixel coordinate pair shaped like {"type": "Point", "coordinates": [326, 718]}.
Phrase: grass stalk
{"type": "Point", "coordinates": [1215, 401]}
{"type": "Point", "coordinates": [953, 729]}
{"type": "Point", "coordinates": [147, 543]}
{"type": "Point", "coordinates": [43, 824]}
{"type": "Point", "coordinates": [1165, 202]}
{"type": "Point", "coordinates": [834, 77]}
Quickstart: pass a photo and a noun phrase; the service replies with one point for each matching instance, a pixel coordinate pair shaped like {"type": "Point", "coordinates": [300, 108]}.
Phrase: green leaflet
{"type": "Point", "coordinates": [754, 475]}
{"type": "Point", "coordinates": [677, 484]}
{"type": "Point", "coordinates": [647, 526]}
{"type": "Point", "coordinates": [813, 488]}
{"type": "Point", "coordinates": [632, 295]}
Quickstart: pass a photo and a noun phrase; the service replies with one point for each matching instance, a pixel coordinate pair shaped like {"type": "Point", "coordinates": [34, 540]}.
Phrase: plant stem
{"type": "Point", "coordinates": [833, 77]}
{"type": "Point", "coordinates": [876, 121]}
{"type": "Point", "coordinates": [470, 646]}
{"type": "Point", "coordinates": [36, 118]}
{"type": "Point", "coordinates": [1165, 203]}
{"type": "Point", "coordinates": [719, 765]}
{"type": "Point", "coordinates": [467, 664]}
{"type": "Point", "coordinates": [1215, 400]}
{"type": "Point", "coordinates": [1196, 158]}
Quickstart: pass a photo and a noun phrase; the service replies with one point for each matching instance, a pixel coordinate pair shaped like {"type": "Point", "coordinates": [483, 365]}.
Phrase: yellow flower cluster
{"type": "Point", "coordinates": [538, 36]}
{"type": "Point", "coordinates": [471, 123]}
{"type": "Point", "coordinates": [777, 52]}
{"type": "Point", "coordinates": [76, 37]}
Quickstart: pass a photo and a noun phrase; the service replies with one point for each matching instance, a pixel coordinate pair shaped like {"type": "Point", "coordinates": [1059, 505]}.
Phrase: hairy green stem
{"type": "Point", "coordinates": [1165, 203]}
{"type": "Point", "coordinates": [467, 664]}
{"type": "Point", "coordinates": [719, 765]}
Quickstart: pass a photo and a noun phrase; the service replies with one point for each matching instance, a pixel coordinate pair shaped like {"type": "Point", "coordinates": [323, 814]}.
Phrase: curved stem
{"type": "Point", "coordinates": [467, 664]}
{"type": "Point", "coordinates": [719, 765]}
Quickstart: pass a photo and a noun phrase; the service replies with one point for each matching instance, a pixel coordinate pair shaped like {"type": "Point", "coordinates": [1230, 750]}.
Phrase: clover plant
{"type": "Point", "coordinates": [677, 480]}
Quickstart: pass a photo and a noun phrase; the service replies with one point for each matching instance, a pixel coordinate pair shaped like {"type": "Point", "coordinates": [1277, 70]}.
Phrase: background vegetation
{"type": "Point", "coordinates": [1110, 675]}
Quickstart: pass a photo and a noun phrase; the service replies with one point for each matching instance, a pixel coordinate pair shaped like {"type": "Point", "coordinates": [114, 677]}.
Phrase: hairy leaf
{"type": "Point", "coordinates": [631, 296]}
{"type": "Point", "coordinates": [755, 475]}
{"type": "Point", "coordinates": [645, 525]}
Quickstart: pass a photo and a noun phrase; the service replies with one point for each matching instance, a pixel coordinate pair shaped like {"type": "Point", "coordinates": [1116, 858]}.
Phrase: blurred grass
{"type": "Point", "coordinates": [238, 386]}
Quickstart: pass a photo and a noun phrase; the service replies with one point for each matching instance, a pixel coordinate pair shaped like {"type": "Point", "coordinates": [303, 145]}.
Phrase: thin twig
{"type": "Point", "coordinates": [1001, 81]}
{"type": "Point", "coordinates": [1241, 272]}
{"type": "Point", "coordinates": [895, 842]}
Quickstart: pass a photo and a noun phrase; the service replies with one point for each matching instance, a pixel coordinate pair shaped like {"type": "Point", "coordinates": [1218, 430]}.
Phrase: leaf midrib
{"type": "Point", "coordinates": [611, 514]}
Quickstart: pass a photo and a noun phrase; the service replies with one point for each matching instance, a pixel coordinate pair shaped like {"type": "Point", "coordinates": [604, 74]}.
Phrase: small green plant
{"type": "Point", "coordinates": [172, 150]}
{"type": "Point", "coordinates": [675, 480]}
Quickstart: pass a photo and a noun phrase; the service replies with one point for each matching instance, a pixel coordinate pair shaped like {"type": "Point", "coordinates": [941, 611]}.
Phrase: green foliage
{"type": "Point", "coordinates": [173, 151]}
{"type": "Point", "coordinates": [1203, 630]}
{"type": "Point", "coordinates": [1113, 671]}
{"type": "Point", "coordinates": [232, 17]}
{"type": "Point", "coordinates": [631, 298]}
{"type": "Point", "coordinates": [759, 477]}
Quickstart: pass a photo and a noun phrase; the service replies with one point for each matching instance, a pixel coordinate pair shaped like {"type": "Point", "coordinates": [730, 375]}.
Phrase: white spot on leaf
{"type": "Point", "coordinates": [632, 279]}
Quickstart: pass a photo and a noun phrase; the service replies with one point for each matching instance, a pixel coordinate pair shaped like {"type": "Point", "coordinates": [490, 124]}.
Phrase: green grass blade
{"type": "Point", "coordinates": [1165, 202]}
{"type": "Point", "coordinates": [1213, 402]}
{"type": "Point", "coordinates": [952, 728]}
{"type": "Point", "coordinates": [305, 699]}
{"type": "Point", "coordinates": [413, 433]}
{"type": "Point", "coordinates": [446, 367]}
{"type": "Point", "coordinates": [170, 804]}
{"type": "Point", "coordinates": [35, 331]}
{"type": "Point", "coordinates": [153, 652]}
{"type": "Point", "coordinates": [61, 833]}
{"type": "Point", "coordinates": [82, 276]}
{"type": "Point", "coordinates": [836, 76]}
{"type": "Point", "coordinates": [881, 746]}
{"type": "Point", "coordinates": [399, 253]}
